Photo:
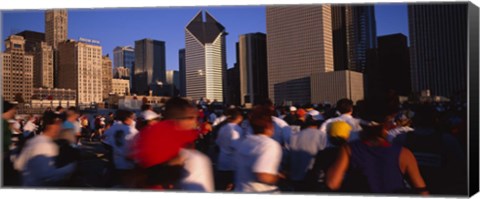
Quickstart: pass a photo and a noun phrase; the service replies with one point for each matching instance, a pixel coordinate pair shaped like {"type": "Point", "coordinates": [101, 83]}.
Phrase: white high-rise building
{"type": "Point", "coordinates": [80, 68]}
{"type": "Point", "coordinates": [205, 58]}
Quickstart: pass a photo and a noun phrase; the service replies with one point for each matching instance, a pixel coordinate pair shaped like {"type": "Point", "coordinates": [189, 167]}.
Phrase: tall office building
{"type": "Point", "coordinates": [173, 82]}
{"type": "Point", "coordinates": [80, 69]}
{"type": "Point", "coordinates": [56, 27]}
{"type": "Point", "coordinates": [149, 69]}
{"type": "Point", "coordinates": [205, 58]}
{"type": "Point", "coordinates": [299, 43]}
{"type": "Point", "coordinates": [32, 39]}
{"type": "Point", "coordinates": [106, 75]}
{"type": "Point", "coordinates": [124, 56]}
{"type": "Point", "coordinates": [438, 47]}
{"type": "Point", "coordinates": [17, 71]}
{"type": "Point", "coordinates": [56, 31]}
{"type": "Point", "coordinates": [252, 54]}
{"type": "Point", "coordinates": [182, 72]}
{"type": "Point", "coordinates": [233, 85]}
{"type": "Point", "coordinates": [43, 58]}
{"type": "Point", "coordinates": [354, 33]}
{"type": "Point", "coordinates": [394, 62]}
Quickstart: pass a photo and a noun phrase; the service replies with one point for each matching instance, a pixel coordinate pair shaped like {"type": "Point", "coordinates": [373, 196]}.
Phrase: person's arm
{"type": "Point", "coordinates": [408, 165]}
{"type": "Point", "coordinates": [267, 165]}
{"type": "Point", "coordinates": [337, 171]}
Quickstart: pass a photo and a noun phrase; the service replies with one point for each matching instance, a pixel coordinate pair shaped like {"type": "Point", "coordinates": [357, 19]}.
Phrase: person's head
{"type": "Point", "coordinates": [345, 106]}
{"type": "Point", "coordinates": [72, 114]}
{"type": "Point", "coordinates": [125, 116]}
{"type": "Point", "coordinates": [59, 109]}
{"type": "Point", "coordinates": [183, 112]}
{"type": "Point", "coordinates": [338, 132]}
{"type": "Point", "coordinates": [301, 113]}
{"type": "Point", "coordinates": [150, 117]}
{"type": "Point", "coordinates": [234, 115]}
{"type": "Point", "coordinates": [261, 121]}
{"type": "Point", "coordinates": [293, 110]}
{"type": "Point", "coordinates": [9, 110]}
{"type": "Point", "coordinates": [52, 124]}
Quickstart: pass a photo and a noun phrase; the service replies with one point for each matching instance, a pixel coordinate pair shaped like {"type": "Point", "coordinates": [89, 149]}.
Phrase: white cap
{"type": "Point", "coordinates": [315, 115]}
{"type": "Point", "coordinates": [150, 115]}
{"type": "Point", "coordinates": [293, 108]}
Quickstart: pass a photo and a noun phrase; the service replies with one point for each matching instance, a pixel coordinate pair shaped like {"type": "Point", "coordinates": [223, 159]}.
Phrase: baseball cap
{"type": "Point", "coordinates": [339, 129]}
{"type": "Point", "coordinates": [161, 142]}
{"type": "Point", "coordinates": [150, 115]}
{"type": "Point", "coordinates": [315, 115]}
{"type": "Point", "coordinates": [293, 108]}
{"type": "Point", "coordinates": [301, 112]}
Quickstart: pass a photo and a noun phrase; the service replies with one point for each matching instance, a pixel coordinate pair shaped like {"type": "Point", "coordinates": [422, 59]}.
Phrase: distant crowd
{"type": "Point", "coordinates": [376, 146]}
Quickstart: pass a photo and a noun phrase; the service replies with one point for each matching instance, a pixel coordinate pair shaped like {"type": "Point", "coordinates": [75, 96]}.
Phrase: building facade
{"type": "Point", "coordinates": [394, 62]}
{"type": "Point", "coordinates": [233, 86]}
{"type": "Point", "coordinates": [106, 75]}
{"type": "Point", "coordinates": [253, 68]}
{"type": "Point", "coordinates": [182, 72]}
{"type": "Point", "coordinates": [205, 58]}
{"type": "Point", "coordinates": [43, 58]}
{"type": "Point", "coordinates": [121, 73]}
{"type": "Point", "coordinates": [299, 43]}
{"type": "Point", "coordinates": [438, 47]}
{"type": "Point", "coordinates": [354, 33]}
{"type": "Point", "coordinates": [80, 69]}
{"type": "Point", "coordinates": [173, 82]}
{"type": "Point", "coordinates": [149, 69]}
{"type": "Point", "coordinates": [333, 86]}
{"type": "Point", "coordinates": [124, 56]}
{"type": "Point", "coordinates": [17, 71]}
{"type": "Point", "coordinates": [56, 27]}
{"type": "Point", "coordinates": [120, 87]}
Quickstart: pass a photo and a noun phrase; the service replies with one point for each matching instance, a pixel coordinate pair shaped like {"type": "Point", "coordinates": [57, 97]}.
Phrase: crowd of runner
{"type": "Point", "coordinates": [378, 146]}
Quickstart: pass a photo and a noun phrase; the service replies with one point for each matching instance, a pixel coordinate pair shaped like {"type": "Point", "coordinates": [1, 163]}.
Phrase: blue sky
{"type": "Point", "coordinates": [118, 27]}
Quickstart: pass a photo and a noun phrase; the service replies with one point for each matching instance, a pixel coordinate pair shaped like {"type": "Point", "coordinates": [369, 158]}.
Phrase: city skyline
{"type": "Point", "coordinates": [390, 18]}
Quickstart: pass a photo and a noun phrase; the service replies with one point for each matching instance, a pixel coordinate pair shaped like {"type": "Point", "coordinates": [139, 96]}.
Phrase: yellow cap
{"type": "Point", "coordinates": [339, 129]}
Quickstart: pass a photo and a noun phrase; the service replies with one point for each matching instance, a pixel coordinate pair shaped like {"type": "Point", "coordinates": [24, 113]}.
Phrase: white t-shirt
{"type": "Point", "coordinates": [256, 154]}
{"type": "Point", "coordinates": [121, 144]}
{"type": "Point", "coordinates": [228, 136]}
{"type": "Point", "coordinates": [282, 131]}
{"type": "Point", "coordinates": [304, 146]}
{"type": "Point", "coordinates": [198, 175]}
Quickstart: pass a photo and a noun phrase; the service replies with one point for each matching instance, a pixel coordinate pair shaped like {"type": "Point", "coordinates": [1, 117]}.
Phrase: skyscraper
{"type": "Point", "coordinates": [106, 76]}
{"type": "Point", "coordinates": [182, 72]}
{"type": "Point", "coordinates": [56, 27]}
{"type": "Point", "coordinates": [56, 31]}
{"type": "Point", "coordinates": [394, 62]}
{"type": "Point", "coordinates": [80, 68]}
{"type": "Point", "coordinates": [252, 54]}
{"type": "Point", "coordinates": [299, 43]}
{"type": "Point", "coordinates": [124, 56]}
{"type": "Point", "coordinates": [17, 69]}
{"type": "Point", "coordinates": [149, 69]}
{"type": "Point", "coordinates": [43, 58]}
{"type": "Point", "coordinates": [233, 85]}
{"type": "Point", "coordinates": [205, 58]}
{"type": "Point", "coordinates": [354, 33]}
{"type": "Point", "coordinates": [173, 82]}
{"type": "Point", "coordinates": [438, 47]}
